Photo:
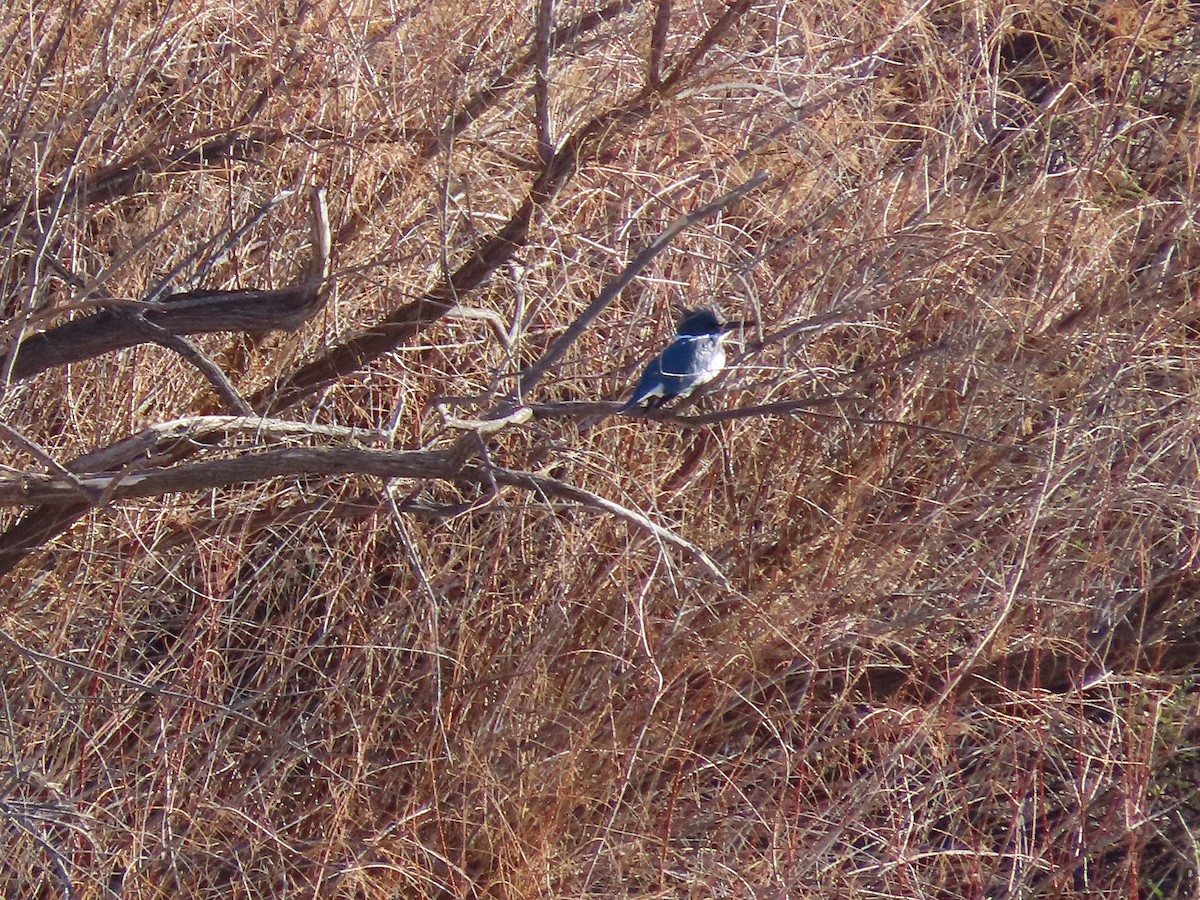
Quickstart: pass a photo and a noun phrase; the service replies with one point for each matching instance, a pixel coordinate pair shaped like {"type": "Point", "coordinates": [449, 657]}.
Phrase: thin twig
{"type": "Point", "coordinates": [554, 488]}
{"type": "Point", "coordinates": [70, 479]}
{"type": "Point", "coordinates": [36, 656]}
{"type": "Point", "coordinates": [163, 287]}
{"type": "Point", "coordinates": [486, 426]}
{"type": "Point", "coordinates": [587, 409]}
{"type": "Point", "coordinates": [923, 429]}
{"type": "Point", "coordinates": [708, 40]}
{"type": "Point", "coordinates": [204, 363]}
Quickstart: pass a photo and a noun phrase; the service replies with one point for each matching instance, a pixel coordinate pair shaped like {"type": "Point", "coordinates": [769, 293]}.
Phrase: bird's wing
{"type": "Point", "coordinates": [649, 385]}
{"type": "Point", "coordinates": [678, 363]}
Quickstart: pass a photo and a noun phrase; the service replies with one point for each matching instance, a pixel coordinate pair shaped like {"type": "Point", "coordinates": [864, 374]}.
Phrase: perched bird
{"type": "Point", "coordinates": [694, 358]}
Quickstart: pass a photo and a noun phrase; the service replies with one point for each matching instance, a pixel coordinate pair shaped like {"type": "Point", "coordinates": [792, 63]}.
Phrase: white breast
{"type": "Point", "coordinates": [711, 360]}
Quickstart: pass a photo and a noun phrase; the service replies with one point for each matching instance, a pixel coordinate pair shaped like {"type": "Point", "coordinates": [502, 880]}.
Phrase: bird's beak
{"type": "Point", "coordinates": [738, 325]}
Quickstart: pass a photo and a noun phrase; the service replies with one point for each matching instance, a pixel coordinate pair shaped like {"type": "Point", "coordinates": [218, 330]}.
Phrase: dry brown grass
{"type": "Point", "coordinates": [957, 652]}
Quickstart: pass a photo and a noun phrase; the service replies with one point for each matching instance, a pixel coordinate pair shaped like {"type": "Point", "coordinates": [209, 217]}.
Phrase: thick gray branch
{"type": "Point", "coordinates": [40, 490]}
{"type": "Point", "coordinates": [192, 312]}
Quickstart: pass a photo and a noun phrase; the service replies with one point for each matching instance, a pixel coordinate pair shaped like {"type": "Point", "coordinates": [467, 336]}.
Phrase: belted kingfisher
{"type": "Point", "coordinates": [694, 358]}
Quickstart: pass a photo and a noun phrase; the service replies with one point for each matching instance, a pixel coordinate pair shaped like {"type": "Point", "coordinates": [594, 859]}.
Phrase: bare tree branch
{"type": "Point", "coordinates": [197, 357]}
{"type": "Point", "coordinates": [553, 488]}
{"type": "Point", "coordinates": [149, 445]}
{"type": "Point", "coordinates": [541, 79]}
{"type": "Point", "coordinates": [925, 429]}
{"type": "Point", "coordinates": [658, 40]}
{"type": "Point", "coordinates": [587, 409]}
{"type": "Point", "coordinates": [192, 312]}
{"type": "Point", "coordinates": [716, 31]}
{"type": "Point", "coordinates": [37, 490]}
{"type": "Point", "coordinates": [232, 239]}
{"type": "Point", "coordinates": [14, 436]}
{"type": "Point", "coordinates": [155, 445]}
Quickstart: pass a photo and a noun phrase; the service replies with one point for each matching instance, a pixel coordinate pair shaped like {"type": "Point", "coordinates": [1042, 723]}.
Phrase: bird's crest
{"type": "Point", "coordinates": [700, 321]}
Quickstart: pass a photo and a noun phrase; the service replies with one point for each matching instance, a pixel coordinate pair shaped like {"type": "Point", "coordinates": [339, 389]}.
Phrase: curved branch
{"type": "Point", "coordinates": [150, 445]}
{"type": "Point", "coordinates": [553, 488]}
{"type": "Point", "coordinates": [191, 312]}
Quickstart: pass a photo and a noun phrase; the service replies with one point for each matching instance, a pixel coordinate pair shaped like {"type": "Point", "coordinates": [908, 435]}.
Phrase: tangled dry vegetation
{"type": "Point", "coordinates": [388, 605]}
